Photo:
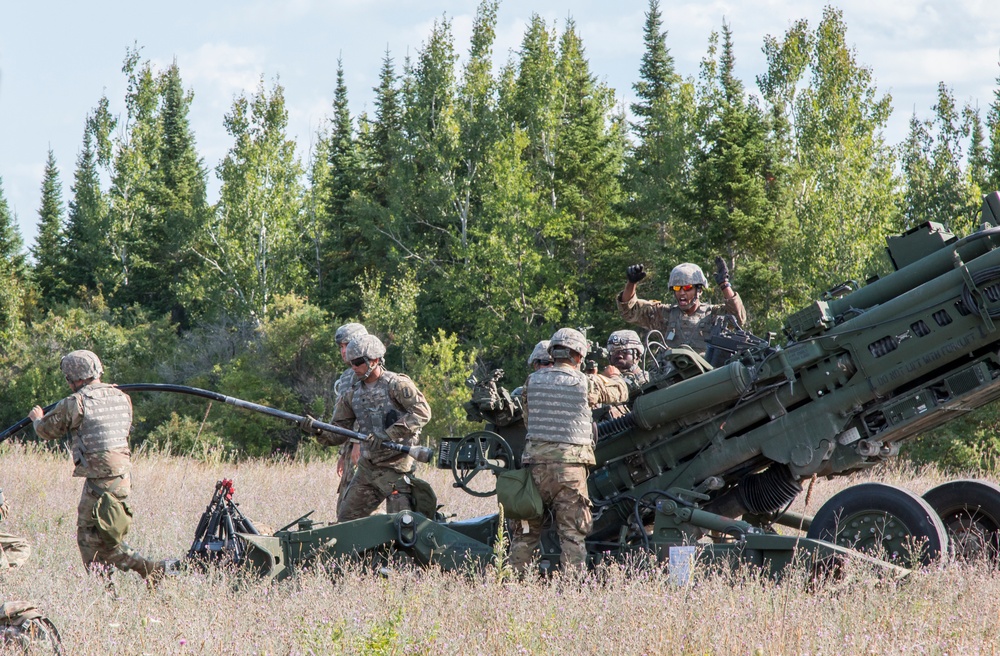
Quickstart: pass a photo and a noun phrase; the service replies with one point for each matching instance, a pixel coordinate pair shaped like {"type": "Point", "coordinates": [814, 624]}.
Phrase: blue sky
{"type": "Point", "coordinates": [58, 57]}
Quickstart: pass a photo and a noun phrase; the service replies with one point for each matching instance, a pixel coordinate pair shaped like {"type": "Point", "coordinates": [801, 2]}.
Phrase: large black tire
{"type": "Point", "coordinates": [970, 511]}
{"type": "Point", "coordinates": [883, 521]}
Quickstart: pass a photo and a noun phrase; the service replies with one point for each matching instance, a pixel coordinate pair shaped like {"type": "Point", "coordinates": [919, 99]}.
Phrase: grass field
{"type": "Point", "coordinates": [951, 609]}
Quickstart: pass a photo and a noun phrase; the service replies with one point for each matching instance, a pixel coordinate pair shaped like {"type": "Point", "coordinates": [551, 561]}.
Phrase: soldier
{"type": "Point", "coordinates": [540, 356]}
{"type": "Point", "coordinates": [14, 551]}
{"type": "Point", "coordinates": [98, 418]}
{"type": "Point", "coordinates": [538, 359]}
{"type": "Point", "coordinates": [559, 446]}
{"type": "Point", "coordinates": [624, 350]}
{"type": "Point", "coordinates": [687, 321]}
{"type": "Point", "coordinates": [389, 407]}
{"type": "Point", "coordinates": [347, 463]}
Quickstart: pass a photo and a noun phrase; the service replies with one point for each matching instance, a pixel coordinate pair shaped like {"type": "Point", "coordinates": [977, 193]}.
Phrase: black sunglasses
{"type": "Point", "coordinates": [357, 362]}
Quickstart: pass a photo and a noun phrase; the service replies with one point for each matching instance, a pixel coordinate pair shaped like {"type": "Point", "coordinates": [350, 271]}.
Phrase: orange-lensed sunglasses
{"type": "Point", "coordinates": [685, 288]}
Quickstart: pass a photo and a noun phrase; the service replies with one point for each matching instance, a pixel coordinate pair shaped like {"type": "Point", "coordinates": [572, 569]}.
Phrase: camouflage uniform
{"type": "Point", "coordinates": [559, 449]}
{"type": "Point", "coordinates": [382, 474]}
{"type": "Point", "coordinates": [679, 327]}
{"type": "Point", "coordinates": [635, 377]}
{"type": "Point", "coordinates": [98, 417]}
{"type": "Point", "coordinates": [14, 551]}
{"type": "Point", "coordinates": [349, 451]}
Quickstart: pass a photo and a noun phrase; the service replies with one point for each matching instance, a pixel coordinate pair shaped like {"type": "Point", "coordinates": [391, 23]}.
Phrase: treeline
{"type": "Point", "coordinates": [468, 215]}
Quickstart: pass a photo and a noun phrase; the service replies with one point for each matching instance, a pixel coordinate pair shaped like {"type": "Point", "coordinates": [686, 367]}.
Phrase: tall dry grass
{"type": "Point", "coordinates": [952, 609]}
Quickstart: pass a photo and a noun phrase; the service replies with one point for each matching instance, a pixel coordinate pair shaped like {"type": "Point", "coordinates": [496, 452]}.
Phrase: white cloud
{"type": "Point", "coordinates": [223, 69]}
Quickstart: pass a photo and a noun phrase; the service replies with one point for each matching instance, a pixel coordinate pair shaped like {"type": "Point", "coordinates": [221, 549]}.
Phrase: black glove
{"type": "Point", "coordinates": [635, 273]}
{"type": "Point", "coordinates": [721, 272]}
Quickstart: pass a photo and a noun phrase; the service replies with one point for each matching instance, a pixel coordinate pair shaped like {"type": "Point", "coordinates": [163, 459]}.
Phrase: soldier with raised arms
{"type": "Point", "coordinates": [98, 417]}
{"type": "Point", "coordinates": [388, 406]}
{"type": "Point", "coordinates": [687, 321]}
{"type": "Point", "coordinates": [559, 447]}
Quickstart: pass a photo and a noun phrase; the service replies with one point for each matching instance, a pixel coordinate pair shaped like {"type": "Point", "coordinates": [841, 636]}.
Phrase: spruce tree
{"type": "Point", "coordinates": [587, 165]}
{"type": "Point", "coordinates": [658, 167]}
{"type": "Point", "coordinates": [86, 253]}
{"type": "Point", "coordinates": [49, 250]}
{"type": "Point", "coordinates": [11, 242]}
{"type": "Point", "coordinates": [339, 234]}
{"type": "Point", "coordinates": [13, 272]}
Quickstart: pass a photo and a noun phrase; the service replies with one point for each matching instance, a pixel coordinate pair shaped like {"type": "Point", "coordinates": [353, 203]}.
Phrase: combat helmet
{"type": "Point", "coordinates": [625, 339]}
{"type": "Point", "coordinates": [567, 338]}
{"type": "Point", "coordinates": [81, 365]}
{"type": "Point", "coordinates": [368, 347]}
{"type": "Point", "coordinates": [540, 352]}
{"type": "Point", "coordinates": [365, 346]}
{"type": "Point", "coordinates": [349, 331]}
{"type": "Point", "coordinates": [687, 274]}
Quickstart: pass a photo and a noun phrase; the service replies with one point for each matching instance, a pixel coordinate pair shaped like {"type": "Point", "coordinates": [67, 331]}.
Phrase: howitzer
{"type": "Point", "coordinates": [714, 455]}
{"type": "Point", "coordinates": [712, 452]}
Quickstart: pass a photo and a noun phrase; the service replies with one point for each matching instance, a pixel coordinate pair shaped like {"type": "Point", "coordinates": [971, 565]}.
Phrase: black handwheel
{"type": "Point", "coordinates": [477, 452]}
{"type": "Point", "coordinates": [883, 521]}
{"type": "Point", "coordinates": [970, 511]}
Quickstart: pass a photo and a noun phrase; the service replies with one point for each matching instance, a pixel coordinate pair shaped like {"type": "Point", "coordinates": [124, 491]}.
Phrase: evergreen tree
{"type": "Point", "coordinates": [13, 272]}
{"type": "Point", "coordinates": [180, 208]}
{"type": "Point", "coordinates": [588, 159]}
{"type": "Point", "coordinates": [427, 230]}
{"type": "Point", "coordinates": [130, 196]}
{"type": "Point", "coordinates": [733, 216]}
{"type": "Point", "coordinates": [532, 104]}
{"type": "Point", "coordinates": [476, 117]}
{"type": "Point", "coordinates": [49, 250]}
{"type": "Point", "coordinates": [314, 216]}
{"type": "Point", "coordinates": [340, 183]}
{"type": "Point", "coordinates": [658, 167]}
{"type": "Point", "coordinates": [157, 198]}
{"type": "Point", "coordinates": [87, 254]}
{"type": "Point", "coordinates": [11, 242]}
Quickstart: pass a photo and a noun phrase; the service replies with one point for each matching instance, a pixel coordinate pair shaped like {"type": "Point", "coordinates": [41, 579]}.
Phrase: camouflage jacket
{"type": "Point", "coordinates": [370, 404]}
{"type": "Point", "coordinates": [67, 417]}
{"type": "Point", "coordinates": [679, 327]}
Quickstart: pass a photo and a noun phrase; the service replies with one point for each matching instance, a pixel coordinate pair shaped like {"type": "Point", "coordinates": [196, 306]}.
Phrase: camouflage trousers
{"type": "Point", "coordinates": [371, 486]}
{"type": "Point", "coordinates": [94, 551]}
{"type": "Point", "coordinates": [14, 551]}
{"type": "Point", "coordinates": [563, 488]}
{"type": "Point", "coordinates": [348, 463]}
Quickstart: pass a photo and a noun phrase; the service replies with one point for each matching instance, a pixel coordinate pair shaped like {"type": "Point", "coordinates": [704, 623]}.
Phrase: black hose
{"type": "Point", "coordinates": [229, 400]}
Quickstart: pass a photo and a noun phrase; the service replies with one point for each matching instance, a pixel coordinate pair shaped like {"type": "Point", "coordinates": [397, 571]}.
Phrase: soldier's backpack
{"type": "Point", "coordinates": [424, 497]}
{"type": "Point", "coordinates": [517, 493]}
{"type": "Point", "coordinates": [22, 625]}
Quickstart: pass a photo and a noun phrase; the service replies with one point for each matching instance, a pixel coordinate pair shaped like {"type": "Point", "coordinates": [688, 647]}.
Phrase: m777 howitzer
{"type": "Point", "coordinates": [714, 455]}
{"type": "Point", "coordinates": [714, 450]}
